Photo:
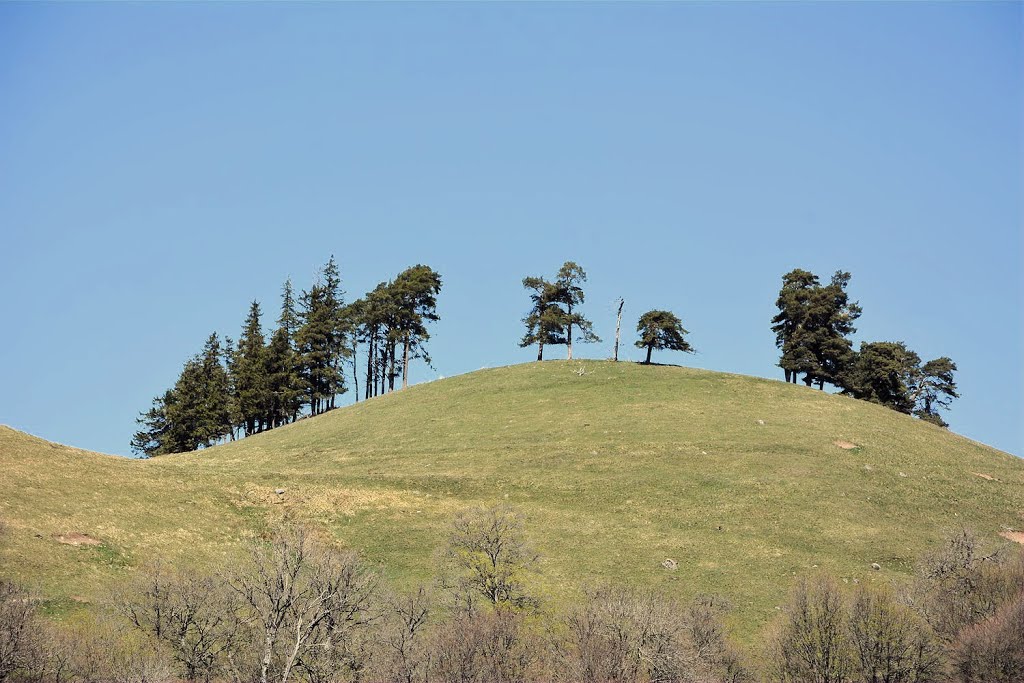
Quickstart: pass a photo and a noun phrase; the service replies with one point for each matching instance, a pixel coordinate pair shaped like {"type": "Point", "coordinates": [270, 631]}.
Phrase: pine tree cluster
{"type": "Point", "coordinates": [812, 330]}
{"type": "Point", "coordinates": [231, 390]}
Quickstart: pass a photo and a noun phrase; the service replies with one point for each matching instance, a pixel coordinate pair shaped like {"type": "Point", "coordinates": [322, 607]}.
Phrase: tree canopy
{"type": "Point", "coordinates": [258, 384]}
{"type": "Point", "coordinates": [661, 330]}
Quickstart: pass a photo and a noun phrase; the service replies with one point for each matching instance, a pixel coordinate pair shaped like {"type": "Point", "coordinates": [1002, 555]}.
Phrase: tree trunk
{"type": "Point", "coordinates": [787, 375]}
{"type": "Point", "coordinates": [540, 350]}
{"type": "Point", "coordinates": [808, 380]}
{"type": "Point", "coordinates": [568, 336]}
{"type": "Point", "coordinates": [369, 365]}
{"type": "Point", "coordinates": [355, 373]}
{"type": "Point", "coordinates": [649, 349]}
{"type": "Point", "coordinates": [405, 363]}
{"type": "Point", "coordinates": [391, 367]}
{"type": "Point", "coordinates": [618, 326]}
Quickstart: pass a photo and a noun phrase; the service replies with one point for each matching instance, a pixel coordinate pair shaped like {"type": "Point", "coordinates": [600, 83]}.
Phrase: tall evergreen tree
{"type": "Point", "coordinates": [661, 330]}
{"type": "Point", "coordinates": [322, 340]}
{"type": "Point", "coordinates": [569, 284]}
{"type": "Point", "coordinates": [813, 325]}
{"type": "Point", "coordinates": [884, 373]}
{"type": "Point", "coordinates": [286, 383]}
{"type": "Point", "coordinates": [250, 373]}
{"type": "Point", "coordinates": [935, 388]}
{"type": "Point", "coordinates": [216, 392]}
{"type": "Point", "coordinates": [414, 293]}
{"type": "Point", "coordinates": [153, 437]}
{"type": "Point", "coordinates": [547, 321]}
{"type": "Point", "coordinates": [234, 411]}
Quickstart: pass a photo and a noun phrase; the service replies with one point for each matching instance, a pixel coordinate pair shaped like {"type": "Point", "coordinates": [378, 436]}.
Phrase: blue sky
{"type": "Point", "coordinates": [163, 164]}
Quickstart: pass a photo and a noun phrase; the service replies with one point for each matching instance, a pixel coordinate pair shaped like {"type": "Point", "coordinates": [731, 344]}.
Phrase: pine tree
{"type": "Point", "coordinates": [547, 321]}
{"type": "Point", "coordinates": [813, 326]}
{"type": "Point", "coordinates": [322, 340]}
{"type": "Point", "coordinates": [414, 293]}
{"type": "Point", "coordinates": [661, 330]}
{"type": "Point", "coordinates": [233, 409]}
{"type": "Point", "coordinates": [286, 384]}
{"type": "Point", "coordinates": [884, 373]}
{"type": "Point", "coordinates": [152, 438]}
{"type": "Point", "coordinates": [570, 294]}
{"type": "Point", "coordinates": [250, 373]}
{"type": "Point", "coordinates": [934, 388]}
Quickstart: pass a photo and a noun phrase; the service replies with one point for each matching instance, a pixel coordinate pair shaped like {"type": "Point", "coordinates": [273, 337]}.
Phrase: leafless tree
{"type": "Point", "coordinates": [993, 650]}
{"type": "Point", "coordinates": [484, 647]}
{"type": "Point", "coordinates": [404, 654]}
{"type": "Point", "coordinates": [491, 559]}
{"type": "Point", "coordinates": [811, 644]}
{"type": "Point", "coordinates": [890, 643]}
{"type": "Point", "coordinates": [194, 615]}
{"type": "Point", "coordinates": [306, 601]}
{"type": "Point", "coordinates": [962, 584]}
{"type": "Point", "coordinates": [17, 624]}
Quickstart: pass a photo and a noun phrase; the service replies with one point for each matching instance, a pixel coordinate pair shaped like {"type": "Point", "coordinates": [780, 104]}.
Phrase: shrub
{"type": "Point", "coordinates": [490, 559]}
{"type": "Point", "coordinates": [993, 651]}
{"type": "Point", "coordinates": [811, 643]}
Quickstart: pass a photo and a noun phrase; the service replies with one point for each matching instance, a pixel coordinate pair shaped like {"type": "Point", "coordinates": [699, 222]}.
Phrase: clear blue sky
{"type": "Point", "coordinates": [163, 164]}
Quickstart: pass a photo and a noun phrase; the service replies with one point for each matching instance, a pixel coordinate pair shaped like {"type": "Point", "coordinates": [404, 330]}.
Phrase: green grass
{"type": "Point", "coordinates": [616, 470]}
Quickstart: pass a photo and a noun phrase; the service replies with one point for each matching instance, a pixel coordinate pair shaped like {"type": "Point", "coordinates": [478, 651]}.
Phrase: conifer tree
{"type": "Point", "coordinates": [322, 340]}
{"type": "Point", "coordinates": [547, 321]}
{"type": "Point", "coordinates": [813, 326]}
{"type": "Point", "coordinates": [884, 373]}
{"type": "Point", "coordinates": [153, 436]}
{"type": "Point", "coordinates": [414, 293]}
{"type": "Point", "coordinates": [286, 383]}
{"type": "Point", "coordinates": [570, 294]}
{"type": "Point", "coordinates": [195, 413]}
{"type": "Point", "coordinates": [935, 388]}
{"type": "Point", "coordinates": [250, 373]}
{"type": "Point", "coordinates": [661, 330]}
{"type": "Point", "coordinates": [216, 394]}
{"type": "Point", "coordinates": [233, 409]}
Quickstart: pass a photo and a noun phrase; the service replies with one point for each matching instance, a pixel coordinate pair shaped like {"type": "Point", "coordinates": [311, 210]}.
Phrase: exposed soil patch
{"type": "Point", "coordinates": [75, 538]}
{"type": "Point", "coordinates": [845, 445]}
{"type": "Point", "coordinates": [986, 477]}
{"type": "Point", "coordinates": [1015, 536]}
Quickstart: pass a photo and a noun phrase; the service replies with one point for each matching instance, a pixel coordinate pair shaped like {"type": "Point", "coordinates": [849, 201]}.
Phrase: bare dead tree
{"type": "Point", "coordinates": [618, 327]}
{"type": "Point", "coordinates": [305, 599]}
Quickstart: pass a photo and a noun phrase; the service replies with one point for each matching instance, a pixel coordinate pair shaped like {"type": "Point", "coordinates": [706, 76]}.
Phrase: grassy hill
{"type": "Point", "coordinates": [744, 482]}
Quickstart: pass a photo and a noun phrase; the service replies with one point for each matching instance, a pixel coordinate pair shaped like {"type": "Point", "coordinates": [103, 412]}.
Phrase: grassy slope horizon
{"type": "Point", "coordinates": [738, 479]}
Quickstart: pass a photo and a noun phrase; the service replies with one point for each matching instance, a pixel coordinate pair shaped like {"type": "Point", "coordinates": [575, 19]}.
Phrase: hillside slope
{"type": "Point", "coordinates": [744, 481]}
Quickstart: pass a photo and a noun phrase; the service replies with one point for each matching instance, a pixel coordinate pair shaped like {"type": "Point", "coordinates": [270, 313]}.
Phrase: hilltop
{"type": "Point", "coordinates": [745, 482]}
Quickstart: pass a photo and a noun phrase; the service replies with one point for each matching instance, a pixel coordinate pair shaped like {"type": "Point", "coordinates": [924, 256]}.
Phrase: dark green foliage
{"type": "Point", "coordinates": [935, 388]}
{"type": "Point", "coordinates": [883, 372]}
{"type": "Point", "coordinates": [414, 294]}
{"type": "Point", "coordinates": [547, 321]}
{"type": "Point", "coordinates": [374, 316]}
{"type": "Point", "coordinates": [153, 435]}
{"type": "Point", "coordinates": [554, 314]}
{"type": "Point", "coordinates": [569, 292]}
{"type": "Point", "coordinates": [892, 375]}
{"type": "Point", "coordinates": [196, 413]}
{"type": "Point", "coordinates": [661, 330]}
{"type": "Point", "coordinates": [813, 326]}
{"type": "Point", "coordinates": [249, 374]}
{"type": "Point", "coordinates": [322, 340]}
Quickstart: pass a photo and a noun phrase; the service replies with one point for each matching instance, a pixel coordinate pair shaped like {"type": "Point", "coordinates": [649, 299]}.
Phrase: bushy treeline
{"type": "Point", "coordinates": [299, 609]}
{"type": "Point", "coordinates": [236, 389]}
{"type": "Point", "coordinates": [813, 328]}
